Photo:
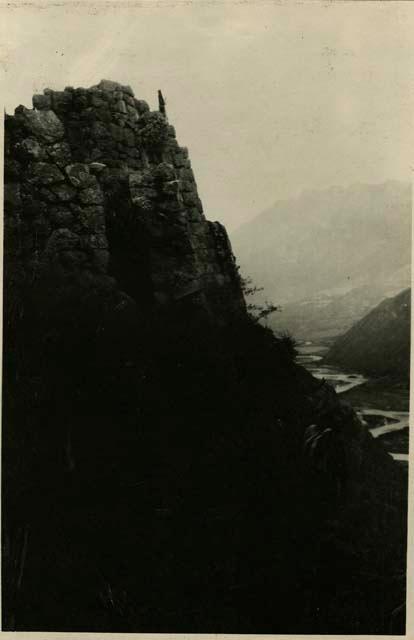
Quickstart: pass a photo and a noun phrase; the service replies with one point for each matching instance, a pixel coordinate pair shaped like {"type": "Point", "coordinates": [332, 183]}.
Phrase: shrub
{"type": "Point", "coordinates": [256, 311]}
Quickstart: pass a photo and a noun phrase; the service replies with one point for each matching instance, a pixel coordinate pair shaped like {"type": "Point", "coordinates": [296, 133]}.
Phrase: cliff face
{"type": "Point", "coordinates": [379, 344]}
{"type": "Point", "coordinates": [100, 198]}
{"type": "Point", "coordinates": [166, 464]}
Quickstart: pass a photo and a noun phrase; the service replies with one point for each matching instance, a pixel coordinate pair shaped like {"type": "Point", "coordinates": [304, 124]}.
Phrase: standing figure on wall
{"type": "Point", "coordinates": [161, 104]}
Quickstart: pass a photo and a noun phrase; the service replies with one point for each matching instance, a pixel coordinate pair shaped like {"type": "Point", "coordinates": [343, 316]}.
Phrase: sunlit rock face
{"type": "Point", "coordinates": [100, 197]}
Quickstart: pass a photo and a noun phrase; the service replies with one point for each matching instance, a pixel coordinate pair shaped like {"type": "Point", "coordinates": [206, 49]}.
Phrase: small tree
{"type": "Point", "coordinates": [257, 312]}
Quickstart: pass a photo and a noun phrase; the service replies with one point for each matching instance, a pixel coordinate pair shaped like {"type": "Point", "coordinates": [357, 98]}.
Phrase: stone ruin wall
{"type": "Point", "coordinates": [99, 194]}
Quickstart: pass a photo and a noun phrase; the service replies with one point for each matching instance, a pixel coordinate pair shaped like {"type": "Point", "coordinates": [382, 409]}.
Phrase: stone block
{"type": "Point", "coordinates": [41, 101]}
{"type": "Point", "coordinates": [44, 125]}
{"type": "Point", "coordinates": [120, 106]}
{"type": "Point", "coordinates": [109, 85]}
{"type": "Point", "coordinates": [91, 195]}
{"type": "Point", "coordinates": [131, 109]}
{"type": "Point", "coordinates": [195, 215]}
{"type": "Point", "coordinates": [142, 106]}
{"type": "Point", "coordinates": [164, 172]}
{"type": "Point", "coordinates": [179, 160]}
{"type": "Point", "coordinates": [103, 114]}
{"type": "Point", "coordinates": [129, 138]}
{"type": "Point", "coordinates": [44, 173]}
{"type": "Point", "coordinates": [190, 198]}
{"type": "Point", "coordinates": [60, 153]}
{"type": "Point", "coordinates": [187, 186]}
{"type": "Point", "coordinates": [116, 132]}
{"type": "Point", "coordinates": [62, 100]}
{"type": "Point", "coordinates": [125, 88]}
{"type": "Point", "coordinates": [80, 100]}
{"type": "Point", "coordinates": [63, 192]}
{"type": "Point", "coordinates": [88, 116]}
{"type": "Point", "coordinates": [171, 188]}
{"type": "Point", "coordinates": [95, 154]}
{"type": "Point", "coordinates": [99, 131]}
{"type": "Point", "coordinates": [79, 175]}
{"type": "Point", "coordinates": [98, 241]}
{"type": "Point", "coordinates": [97, 167]}
{"type": "Point", "coordinates": [97, 101]}
{"type": "Point", "coordinates": [186, 173]}
{"type": "Point", "coordinates": [94, 217]}
{"type": "Point", "coordinates": [120, 119]}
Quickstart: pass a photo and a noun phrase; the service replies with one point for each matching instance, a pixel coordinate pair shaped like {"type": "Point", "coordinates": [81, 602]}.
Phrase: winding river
{"type": "Point", "coordinates": [379, 421]}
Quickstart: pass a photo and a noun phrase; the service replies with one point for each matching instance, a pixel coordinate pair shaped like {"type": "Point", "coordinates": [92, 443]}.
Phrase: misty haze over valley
{"type": "Point", "coordinates": [328, 257]}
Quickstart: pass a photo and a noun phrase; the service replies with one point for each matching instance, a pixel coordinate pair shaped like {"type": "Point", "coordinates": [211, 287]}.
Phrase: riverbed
{"type": "Point", "coordinates": [380, 422]}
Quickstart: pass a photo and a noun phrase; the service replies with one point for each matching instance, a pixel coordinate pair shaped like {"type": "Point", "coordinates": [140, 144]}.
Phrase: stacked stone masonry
{"type": "Point", "coordinates": [96, 185]}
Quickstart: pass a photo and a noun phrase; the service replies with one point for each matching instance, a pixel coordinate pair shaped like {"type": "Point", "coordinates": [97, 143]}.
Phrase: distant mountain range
{"type": "Point", "coordinates": [330, 314]}
{"type": "Point", "coordinates": [379, 344]}
{"type": "Point", "coordinates": [328, 257]}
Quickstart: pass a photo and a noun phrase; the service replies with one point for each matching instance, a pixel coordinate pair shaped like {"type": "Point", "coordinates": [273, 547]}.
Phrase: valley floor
{"type": "Point", "coordinates": [381, 403]}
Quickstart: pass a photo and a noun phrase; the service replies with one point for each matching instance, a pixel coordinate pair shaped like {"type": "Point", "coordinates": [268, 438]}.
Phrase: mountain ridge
{"type": "Point", "coordinates": [331, 238]}
{"type": "Point", "coordinates": [379, 344]}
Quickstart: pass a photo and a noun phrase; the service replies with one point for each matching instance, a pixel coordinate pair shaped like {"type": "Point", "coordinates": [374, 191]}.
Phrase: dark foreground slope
{"type": "Point", "coordinates": [166, 465]}
{"type": "Point", "coordinates": [379, 344]}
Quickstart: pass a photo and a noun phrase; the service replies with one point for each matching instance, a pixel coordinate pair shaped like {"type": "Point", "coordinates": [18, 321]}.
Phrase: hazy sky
{"type": "Point", "coordinates": [270, 97]}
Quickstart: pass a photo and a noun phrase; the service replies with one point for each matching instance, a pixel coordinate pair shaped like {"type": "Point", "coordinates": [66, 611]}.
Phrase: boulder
{"type": "Point", "coordinates": [120, 106]}
{"type": "Point", "coordinates": [63, 192]}
{"type": "Point", "coordinates": [97, 167]}
{"type": "Point", "coordinates": [79, 175]}
{"type": "Point", "coordinates": [44, 125]}
{"type": "Point", "coordinates": [62, 100]}
{"type": "Point", "coordinates": [60, 153]}
{"type": "Point", "coordinates": [44, 173]}
{"type": "Point", "coordinates": [109, 85]}
{"type": "Point", "coordinates": [41, 101]}
{"type": "Point", "coordinates": [142, 106]}
{"type": "Point", "coordinates": [29, 148]}
{"type": "Point", "coordinates": [91, 195]}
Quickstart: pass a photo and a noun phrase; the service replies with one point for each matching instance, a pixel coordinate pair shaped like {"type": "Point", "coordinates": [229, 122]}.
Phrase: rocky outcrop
{"type": "Point", "coordinates": [167, 466]}
{"type": "Point", "coordinates": [100, 197]}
